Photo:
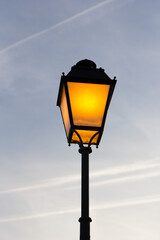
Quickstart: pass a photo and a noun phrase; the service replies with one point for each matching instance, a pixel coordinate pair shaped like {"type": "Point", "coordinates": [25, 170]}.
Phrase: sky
{"type": "Point", "coordinates": [39, 173]}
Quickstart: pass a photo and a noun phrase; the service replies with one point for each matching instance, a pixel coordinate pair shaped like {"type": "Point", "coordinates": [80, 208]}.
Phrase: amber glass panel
{"type": "Point", "coordinates": [64, 111]}
{"type": "Point", "coordinates": [85, 136]}
{"type": "Point", "coordinates": [88, 103]}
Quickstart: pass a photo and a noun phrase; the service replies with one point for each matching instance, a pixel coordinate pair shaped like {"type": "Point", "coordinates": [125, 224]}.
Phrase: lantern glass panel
{"type": "Point", "coordinates": [64, 111]}
{"type": "Point", "coordinates": [88, 101]}
{"type": "Point", "coordinates": [85, 136]}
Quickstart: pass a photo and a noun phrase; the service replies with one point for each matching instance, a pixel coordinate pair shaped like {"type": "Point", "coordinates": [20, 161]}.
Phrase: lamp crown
{"type": "Point", "coordinates": [86, 64]}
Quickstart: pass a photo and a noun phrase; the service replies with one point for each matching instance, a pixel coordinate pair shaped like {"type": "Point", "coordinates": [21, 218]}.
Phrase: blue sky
{"type": "Point", "coordinates": [39, 173]}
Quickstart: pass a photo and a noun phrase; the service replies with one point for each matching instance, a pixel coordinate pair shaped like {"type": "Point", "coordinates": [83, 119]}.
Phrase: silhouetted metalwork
{"type": "Point", "coordinates": [84, 98]}
{"type": "Point", "coordinates": [85, 77]}
{"type": "Point", "coordinates": [85, 219]}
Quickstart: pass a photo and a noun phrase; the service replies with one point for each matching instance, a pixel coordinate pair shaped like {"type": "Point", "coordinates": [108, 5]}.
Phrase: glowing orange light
{"type": "Point", "coordinates": [85, 136]}
{"type": "Point", "coordinates": [64, 110]}
{"type": "Point", "coordinates": [84, 97]}
{"type": "Point", "coordinates": [88, 103]}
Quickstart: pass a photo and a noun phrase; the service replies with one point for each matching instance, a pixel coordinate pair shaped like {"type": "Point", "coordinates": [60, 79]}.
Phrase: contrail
{"type": "Point", "coordinates": [127, 178]}
{"type": "Point", "coordinates": [40, 215]}
{"type": "Point", "coordinates": [44, 184]}
{"type": "Point", "coordinates": [131, 202]}
{"type": "Point", "coordinates": [112, 171]}
{"type": "Point", "coordinates": [18, 43]}
{"type": "Point", "coordinates": [110, 205]}
{"type": "Point", "coordinates": [125, 169]}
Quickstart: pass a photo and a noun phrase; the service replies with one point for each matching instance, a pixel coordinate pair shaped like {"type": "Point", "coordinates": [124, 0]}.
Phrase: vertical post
{"type": "Point", "coordinates": [85, 219]}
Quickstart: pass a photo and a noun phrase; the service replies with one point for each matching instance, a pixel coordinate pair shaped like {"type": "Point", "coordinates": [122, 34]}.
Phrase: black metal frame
{"type": "Point", "coordinates": [85, 71]}
{"type": "Point", "coordinates": [105, 81]}
{"type": "Point", "coordinates": [85, 219]}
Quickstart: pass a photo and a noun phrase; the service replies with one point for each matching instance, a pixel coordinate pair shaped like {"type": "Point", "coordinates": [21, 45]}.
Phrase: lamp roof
{"type": "Point", "coordinates": [86, 64]}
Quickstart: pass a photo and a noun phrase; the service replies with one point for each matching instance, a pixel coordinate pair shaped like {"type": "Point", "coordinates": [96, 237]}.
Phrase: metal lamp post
{"type": "Point", "coordinates": [84, 98]}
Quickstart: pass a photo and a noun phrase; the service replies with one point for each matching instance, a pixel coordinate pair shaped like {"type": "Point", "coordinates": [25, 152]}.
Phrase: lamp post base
{"type": "Point", "coordinates": [85, 228]}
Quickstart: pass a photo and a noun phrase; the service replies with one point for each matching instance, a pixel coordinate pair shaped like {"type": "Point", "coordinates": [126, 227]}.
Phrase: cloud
{"type": "Point", "coordinates": [127, 178]}
{"type": "Point", "coordinates": [39, 215]}
{"type": "Point", "coordinates": [55, 26]}
{"type": "Point", "coordinates": [44, 184]}
{"type": "Point", "coordinates": [110, 205]}
{"type": "Point", "coordinates": [130, 202]}
{"type": "Point", "coordinates": [146, 165]}
{"type": "Point", "coordinates": [112, 171]}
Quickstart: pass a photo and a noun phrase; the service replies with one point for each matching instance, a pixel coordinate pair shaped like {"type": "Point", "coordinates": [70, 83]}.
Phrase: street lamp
{"type": "Point", "coordinates": [84, 98]}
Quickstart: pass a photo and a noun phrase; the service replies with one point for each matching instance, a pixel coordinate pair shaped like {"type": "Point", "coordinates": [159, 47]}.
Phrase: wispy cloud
{"type": "Point", "coordinates": [127, 178]}
{"type": "Point", "coordinates": [125, 203]}
{"type": "Point", "coordinates": [44, 184]}
{"type": "Point", "coordinates": [55, 26]}
{"type": "Point", "coordinates": [112, 171]}
{"type": "Point", "coordinates": [38, 215]}
{"type": "Point", "coordinates": [129, 202]}
{"type": "Point", "coordinates": [146, 165]}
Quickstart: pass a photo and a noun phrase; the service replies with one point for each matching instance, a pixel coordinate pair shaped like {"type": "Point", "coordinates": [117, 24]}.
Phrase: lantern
{"type": "Point", "coordinates": [84, 98]}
